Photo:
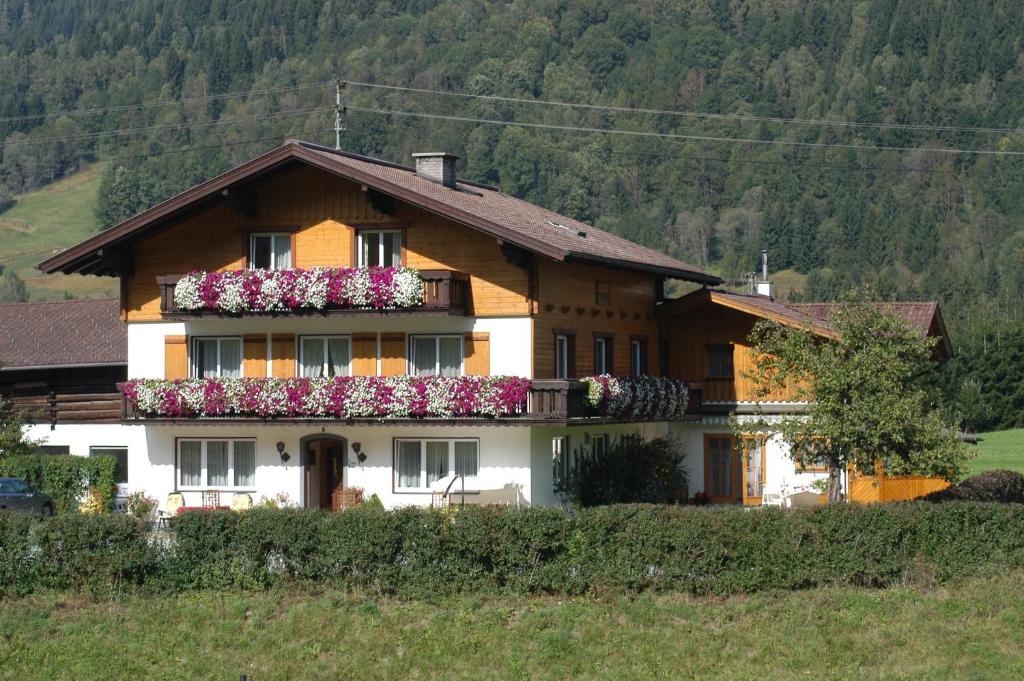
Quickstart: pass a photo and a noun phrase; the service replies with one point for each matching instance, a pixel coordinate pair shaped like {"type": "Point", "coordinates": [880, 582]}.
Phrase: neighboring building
{"type": "Point", "coordinates": [60, 363]}
{"type": "Point", "coordinates": [709, 331]}
{"type": "Point", "coordinates": [511, 289]}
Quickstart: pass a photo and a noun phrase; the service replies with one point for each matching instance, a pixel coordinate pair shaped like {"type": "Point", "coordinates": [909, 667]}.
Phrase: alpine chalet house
{"type": "Point", "coordinates": [316, 321]}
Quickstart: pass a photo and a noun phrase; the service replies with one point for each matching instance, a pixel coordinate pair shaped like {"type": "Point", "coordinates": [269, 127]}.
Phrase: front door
{"type": "Point", "coordinates": [324, 470]}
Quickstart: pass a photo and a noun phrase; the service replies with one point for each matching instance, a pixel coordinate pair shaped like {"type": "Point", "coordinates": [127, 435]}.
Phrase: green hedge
{"type": "Point", "coordinates": [64, 477]}
{"type": "Point", "coordinates": [430, 554]}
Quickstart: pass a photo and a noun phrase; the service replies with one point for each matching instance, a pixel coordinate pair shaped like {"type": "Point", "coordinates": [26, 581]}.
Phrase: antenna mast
{"type": "Point", "coordinates": [339, 113]}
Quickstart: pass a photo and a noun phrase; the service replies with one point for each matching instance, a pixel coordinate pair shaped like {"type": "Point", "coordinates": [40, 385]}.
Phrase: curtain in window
{"type": "Point", "coordinates": [245, 463]}
{"type": "Point", "coordinates": [466, 461]}
{"type": "Point", "coordinates": [217, 464]}
{"type": "Point", "coordinates": [190, 464]}
{"type": "Point", "coordinates": [282, 251]}
{"type": "Point", "coordinates": [337, 357]}
{"type": "Point", "coordinates": [451, 356]}
{"type": "Point", "coordinates": [312, 357]}
{"type": "Point", "coordinates": [409, 464]}
{"type": "Point", "coordinates": [754, 456]}
{"type": "Point", "coordinates": [424, 353]}
{"type": "Point", "coordinates": [437, 461]}
{"type": "Point", "coordinates": [231, 357]}
{"type": "Point", "coordinates": [206, 354]}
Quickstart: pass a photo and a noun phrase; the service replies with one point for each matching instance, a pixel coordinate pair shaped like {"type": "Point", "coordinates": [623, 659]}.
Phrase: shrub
{"type": "Point", "coordinates": [17, 575]}
{"type": "Point", "coordinates": [998, 485]}
{"type": "Point", "coordinates": [66, 478]}
{"type": "Point", "coordinates": [632, 470]}
{"type": "Point", "coordinates": [139, 505]}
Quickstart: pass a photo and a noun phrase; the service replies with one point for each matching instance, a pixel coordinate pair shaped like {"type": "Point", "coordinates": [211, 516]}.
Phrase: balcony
{"type": "Point", "coordinates": [468, 400]}
{"type": "Point", "coordinates": [54, 408]}
{"type": "Point", "coordinates": [444, 293]}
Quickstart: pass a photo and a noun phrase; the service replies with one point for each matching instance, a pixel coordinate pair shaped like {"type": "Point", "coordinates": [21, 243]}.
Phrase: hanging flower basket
{"type": "Point", "coordinates": [637, 397]}
{"type": "Point", "coordinates": [319, 288]}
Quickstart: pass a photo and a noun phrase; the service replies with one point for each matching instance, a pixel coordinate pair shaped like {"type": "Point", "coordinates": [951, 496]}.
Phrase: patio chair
{"type": "Point", "coordinates": [211, 498]}
{"type": "Point", "coordinates": [241, 501]}
{"type": "Point", "coordinates": [175, 500]}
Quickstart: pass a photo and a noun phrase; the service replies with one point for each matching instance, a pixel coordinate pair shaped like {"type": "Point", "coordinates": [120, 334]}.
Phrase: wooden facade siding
{"type": "Point", "coordinates": [324, 213]}
{"type": "Point", "coordinates": [476, 348]}
{"type": "Point", "coordinates": [567, 300]}
{"type": "Point", "coordinates": [282, 355]}
{"type": "Point", "coordinates": [254, 355]}
{"type": "Point", "coordinates": [175, 357]}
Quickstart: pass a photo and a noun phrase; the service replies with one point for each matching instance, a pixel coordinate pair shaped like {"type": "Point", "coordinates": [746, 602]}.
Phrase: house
{"type": "Point", "coordinates": [60, 364]}
{"type": "Point", "coordinates": [454, 353]}
{"type": "Point", "coordinates": [709, 331]}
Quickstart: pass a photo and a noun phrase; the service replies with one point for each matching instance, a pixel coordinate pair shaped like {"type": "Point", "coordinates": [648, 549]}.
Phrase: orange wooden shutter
{"type": "Point", "coordinates": [364, 354]}
{"type": "Point", "coordinates": [282, 355]}
{"type": "Point", "coordinates": [392, 354]}
{"type": "Point", "coordinates": [477, 350]}
{"type": "Point", "coordinates": [175, 357]}
{"type": "Point", "coordinates": [254, 355]}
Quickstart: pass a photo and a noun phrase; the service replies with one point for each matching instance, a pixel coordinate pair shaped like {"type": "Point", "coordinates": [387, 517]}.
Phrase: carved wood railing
{"type": "Point", "coordinates": [55, 408]}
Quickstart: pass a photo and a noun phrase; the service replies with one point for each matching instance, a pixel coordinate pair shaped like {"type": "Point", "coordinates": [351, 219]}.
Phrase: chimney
{"type": "Point", "coordinates": [765, 287]}
{"type": "Point", "coordinates": [436, 166]}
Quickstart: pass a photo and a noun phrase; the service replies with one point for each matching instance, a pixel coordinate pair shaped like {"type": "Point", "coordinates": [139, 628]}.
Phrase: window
{"type": "Point", "coordinates": [753, 466]}
{"type": "Point", "coordinates": [380, 247]}
{"type": "Point", "coordinates": [325, 356]}
{"type": "Point", "coordinates": [270, 251]}
{"type": "Point", "coordinates": [120, 454]}
{"type": "Point", "coordinates": [814, 464]}
{"type": "Point", "coordinates": [638, 356]}
{"type": "Point", "coordinates": [562, 460]}
{"type": "Point", "coordinates": [435, 355]}
{"type": "Point", "coordinates": [216, 357]}
{"type": "Point", "coordinates": [217, 463]}
{"type": "Point", "coordinates": [565, 359]}
{"type": "Point", "coordinates": [603, 355]}
{"type": "Point", "coordinates": [603, 293]}
{"type": "Point", "coordinates": [719, 467]}
{"type": "Point", "coordinates": [719, 361]}
{"type": "Point", "coordinates": [599, 444]}
{"type": "Point", "coordinates": [419, 464]}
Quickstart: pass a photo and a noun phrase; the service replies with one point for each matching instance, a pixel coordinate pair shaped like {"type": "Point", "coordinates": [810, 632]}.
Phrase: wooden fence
{"type": "Point", "coordinates": [879, 488]}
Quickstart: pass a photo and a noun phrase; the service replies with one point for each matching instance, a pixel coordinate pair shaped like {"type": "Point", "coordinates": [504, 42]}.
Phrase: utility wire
{"type": "Point", "coordinates": [168, 102]}
{"type": "Point", "coordinates": [690, 114]}
{"type": "Point", "coordinates": [678, 136]}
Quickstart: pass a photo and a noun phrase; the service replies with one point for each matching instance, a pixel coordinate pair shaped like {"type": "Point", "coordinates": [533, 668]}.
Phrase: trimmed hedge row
{"type": "Point", "coordinates": [428, 554]}
{"type": "Point", "coordinates": [64, 477]}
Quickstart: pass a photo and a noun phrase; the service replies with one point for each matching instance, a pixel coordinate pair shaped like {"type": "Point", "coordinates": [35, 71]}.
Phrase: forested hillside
{"type": "Point", "coordinates": [922, 78]}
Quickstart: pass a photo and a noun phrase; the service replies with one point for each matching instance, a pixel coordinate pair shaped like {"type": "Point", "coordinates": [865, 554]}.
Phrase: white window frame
{"type": "Point", "coordinates": [194, 354]}
{"type": "Point", "coordinates": [204, 467]}
{"type": "Point", "coordinates": [562, 356]}
{"type": "Point", "coordinates": [380, 245]}
{"type": "Point", "coordinates": [636, 357]}
{"type": "Point", "coordinates": [562, 460]}
{"type": "Point", "coordinates": [104, 450]}
{"type": "Point", "coordinates": [326, 339]}
{"type": "Point", "coordinates": [423, 488]}
{"type": "Point", "coordinates": [411, 364]}
{"type": "Point", "coordinates": [601, 356]}
{"type": "Point", "coordinates": [599, 443]}
{"type": "Point", "coordinates": [273, 249]}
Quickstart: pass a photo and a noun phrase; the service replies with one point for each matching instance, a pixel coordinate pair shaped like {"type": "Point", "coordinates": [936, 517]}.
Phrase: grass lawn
{"type": "Point", "coordinates": [47, 220]}
{"type": "Point", "coordinates": [1000, 449]}
{"type": "Point", "coordinates": [973, 631]}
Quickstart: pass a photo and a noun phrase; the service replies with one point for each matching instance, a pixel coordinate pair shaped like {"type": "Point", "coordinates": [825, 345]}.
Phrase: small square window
{"type": "Point", "coordinates": [719, 361]}
{"type": "Point", "coordinates": [603, 295]}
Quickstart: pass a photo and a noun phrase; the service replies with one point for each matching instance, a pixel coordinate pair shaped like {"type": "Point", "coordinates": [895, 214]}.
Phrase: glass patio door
{"type": "Point", "coordinates": [721, 469]}
{"type": "Point", "coordinates": [753, 470]}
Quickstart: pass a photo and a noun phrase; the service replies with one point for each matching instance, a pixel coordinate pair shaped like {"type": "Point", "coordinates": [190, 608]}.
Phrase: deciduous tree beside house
{"type": "Point", "coordinates": [870, 396]}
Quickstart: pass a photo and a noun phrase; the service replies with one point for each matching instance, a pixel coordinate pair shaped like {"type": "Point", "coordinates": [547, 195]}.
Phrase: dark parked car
{"type": "Point", "coordinates": [18, 495]}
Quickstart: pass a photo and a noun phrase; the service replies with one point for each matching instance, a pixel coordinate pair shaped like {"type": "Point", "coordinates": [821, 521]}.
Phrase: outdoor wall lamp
{"type": "Point", "coordinates": [284, 455]}
{"type": "Point", "coordinates": [358, 449]}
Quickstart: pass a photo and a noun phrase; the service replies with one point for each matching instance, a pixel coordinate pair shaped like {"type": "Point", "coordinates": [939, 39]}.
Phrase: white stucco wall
{"type": "Point", "coordinates": [511, 338]}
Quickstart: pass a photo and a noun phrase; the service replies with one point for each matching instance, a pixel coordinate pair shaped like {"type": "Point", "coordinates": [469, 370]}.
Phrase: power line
{"type": "Point", "coordinates": [168, 102]}
{"type": "Point", "coordinates": [678, 136]}
{"type": "Point", "coordinates": [161, 128]}
{"type": "Point", "coordinates": [691, 114]}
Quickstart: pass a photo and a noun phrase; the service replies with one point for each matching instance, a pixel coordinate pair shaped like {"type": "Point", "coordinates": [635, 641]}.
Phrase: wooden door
{"type": "Point", "coordinates": [721, 469]}
{"type": "Point", "coordinates": [324, 471]}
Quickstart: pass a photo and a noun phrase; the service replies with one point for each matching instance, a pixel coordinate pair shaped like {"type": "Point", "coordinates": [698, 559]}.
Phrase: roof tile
{"type": "Point", "coordinates": [66, 333]}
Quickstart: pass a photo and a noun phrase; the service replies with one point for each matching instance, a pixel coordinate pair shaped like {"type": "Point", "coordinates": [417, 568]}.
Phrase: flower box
{"type": "Point", "coordinates": [638, 398]}
{"type": "Point", "coordinates": [283, 290]}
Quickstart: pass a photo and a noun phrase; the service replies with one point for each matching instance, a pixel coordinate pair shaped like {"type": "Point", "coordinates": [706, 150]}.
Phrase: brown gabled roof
{"type": "Point", "coordinates": [484, 208]}
{"type": "Point", "coordinates": [924, 316]}
{"type": "Point", "coordinates": [62, 334]}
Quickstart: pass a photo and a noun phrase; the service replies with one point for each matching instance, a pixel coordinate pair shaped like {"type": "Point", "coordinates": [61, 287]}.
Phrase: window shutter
{"type": "Point", "coordinates": [254, 355]}
{"type": "Point", "coordinates": [477, 349]}
{"type": "Point", "coordinates": [175, 357]}
{"type": "Point", "coordinates": [282, 355]}
{"type": "Point", "coordinates": [392, 354]}
{"type": "Point", "coordinates": [364, 354]}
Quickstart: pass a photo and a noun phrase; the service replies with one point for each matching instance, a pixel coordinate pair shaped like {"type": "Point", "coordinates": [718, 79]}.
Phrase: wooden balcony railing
{"type": "Point", "coordinates": [445, 292]}
{"type": "Point", "coordinates": [58, 408]}
{"type": "Point", "coordinates": [549, 402]}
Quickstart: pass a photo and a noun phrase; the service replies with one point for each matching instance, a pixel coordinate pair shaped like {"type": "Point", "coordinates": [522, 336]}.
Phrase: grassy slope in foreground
{"type": "Point", "coordinates": [972, 631]}
{"type": "Point", "coordinates": [1000, 449]}
{"type": "Point", "coordinates": [50, 219]}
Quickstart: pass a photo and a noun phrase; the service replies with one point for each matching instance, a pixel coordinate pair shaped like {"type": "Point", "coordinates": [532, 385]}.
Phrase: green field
{"type": "Point", "coordinates": [1000, 449]}
{"type": "Point", "coordinates": [47, 220]}
{"type": "Point", "coordinates": [973, 631]}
